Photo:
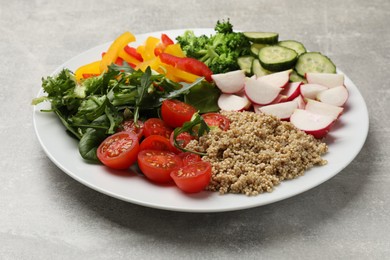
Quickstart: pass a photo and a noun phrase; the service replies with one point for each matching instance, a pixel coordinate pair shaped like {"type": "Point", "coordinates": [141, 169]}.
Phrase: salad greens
{"type": "Point", "coordinates": [94, 108]}
{"type": "Point", "coordinates": [219, 51]}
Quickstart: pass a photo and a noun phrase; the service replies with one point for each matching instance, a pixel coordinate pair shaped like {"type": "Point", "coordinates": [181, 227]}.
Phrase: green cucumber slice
{"type": "Point", "coordinates": [258, 70]}
{"type": "Point", "coordinates": [245, 64]}
{"type": "Point", "coordinates": [256, 47]}
{"type": "Point", "coordinates": [277, 58]}
{"type": "Point", "coordinates": [294, 77]}
{"type": "Point", "coordinates": [262, 37]}
{"type": "Point", "coordinates": [298, 47]}
{"type": "Point", "coordinates": [314, 62]}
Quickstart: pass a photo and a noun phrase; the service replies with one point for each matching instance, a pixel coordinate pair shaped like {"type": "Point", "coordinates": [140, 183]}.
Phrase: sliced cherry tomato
{"type": "Point", "coordinates": [156, 126]}
{"type": "Point", "coordinates": [119, 151]}
{"type": "Point", "coordinates": [189, 158]}
{"type": "Point", "coordinates": [182, 139]}
{"type": "Point", "coordinates": [175, 113]}
{"type": "Point", "coordinates": [156, 142]}
{"type": "Point", "coordinates": [193, 177]}
{"type": "Point", "coordinates": [190, 65]}
{"type": "Point", "coordinates": [216, 120]}
{"type": "Point", "coordinates": [157, 165]}
{"type": "Point", "coordinates": [129, 126]}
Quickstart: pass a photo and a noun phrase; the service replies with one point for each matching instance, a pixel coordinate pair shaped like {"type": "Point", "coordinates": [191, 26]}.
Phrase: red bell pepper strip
{"type": "Point", "coordinates": [187, 64]}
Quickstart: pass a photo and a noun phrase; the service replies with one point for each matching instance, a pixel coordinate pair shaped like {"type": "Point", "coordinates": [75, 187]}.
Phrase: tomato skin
{"type": "Point", "coordinates": [217, 120]}
{"type": "Point", "coordinates": [189, 158]}
{"type": "Point", "coordinates": [119, 151]}
{"type": "Point", "coordinates": [155, 142]}
{"type": "Point", "coordinates": [175, 113]}
{"type": "Point", "coordinates": [158, 165]}
{"type": "Point", "coordinates": [193, 177]}
{"type": "Point", "coordinates": [156, 126]}
{"type": "Point", "coordinates": [129, 126]}
{"type": "Point", "coordinates": [182, 139]}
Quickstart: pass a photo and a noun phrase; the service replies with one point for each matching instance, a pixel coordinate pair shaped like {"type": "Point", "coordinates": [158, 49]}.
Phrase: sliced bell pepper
{"type": "Point", "coordinates": [150, 45]}
{"type": "Point", "coordinates": [190, 65]}
{"type": "Point", "coordinates": [88, 69]}
{"type": "Point", "coordinates": [175, 50]}
{"type": "Point", "coordinates": [113, 51]}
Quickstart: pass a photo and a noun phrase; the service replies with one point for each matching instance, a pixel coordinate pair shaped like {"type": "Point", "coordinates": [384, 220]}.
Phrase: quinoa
{"type": "Point", "coordinates": [257, 153]}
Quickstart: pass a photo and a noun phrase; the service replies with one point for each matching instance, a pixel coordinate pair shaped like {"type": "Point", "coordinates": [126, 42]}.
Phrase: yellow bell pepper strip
{"type": "Point", "coordinates": [178, 75]}
{"type": "Point", "coordinates": [87, 70]}
{"type": "Point", "coordinates": [150, 45]}
{"type": "Point", "coordinates": [175, 50]}
{"type": "Point", "coordinates": [113, 51]}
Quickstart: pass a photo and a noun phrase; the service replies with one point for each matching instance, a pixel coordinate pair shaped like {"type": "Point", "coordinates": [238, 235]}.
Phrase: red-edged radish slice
{"type": "Point", "coordinates": [329, 80]}
{"type": "Point", "coordinates": [311, 90]}
{"type": "Point", "coordinates": [281, 110]}
{"type": "Point", "coordinates": [277, 79]}
{"type": "Point", "coordinates": [323, 108]}
{"type": "Point", "coordinates": [259, 92]}
{"type": "Point", "coordinates": [230, 82]}
{"type": "Point", "coordinates": [336, 96]}
{"type": "Point", "coordinates": [231, 102]}
{"type": "Point", "coordinates": [301, 102]}
{"type": "Point", "coordinates": [312, 123]}
{"type": "Point", "coordinates": [292, 90]}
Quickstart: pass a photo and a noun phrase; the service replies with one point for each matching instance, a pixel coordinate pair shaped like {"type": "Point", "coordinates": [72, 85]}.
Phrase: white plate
{"type": "Point", "coordinates": [345, 141]}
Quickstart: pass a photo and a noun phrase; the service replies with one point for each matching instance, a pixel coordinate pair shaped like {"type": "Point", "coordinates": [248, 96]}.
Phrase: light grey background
{"type": "Point", "coordinates": [45, 214]}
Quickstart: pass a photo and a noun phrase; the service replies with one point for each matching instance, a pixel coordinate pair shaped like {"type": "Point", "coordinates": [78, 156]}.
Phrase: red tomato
{"type": "Point", "coordinates": [119, 151]}
{"type": "Point", "coordinates": [187, 64]}
{"type": "Point", "coordinates": [193, 177]}
{"type": "Point", "coordinates": [175, 113]}
{"type": "Point", "coordinates": [182, 139]}
{"type": "Point", "coordinates": [156, 126]}
{"type": "Point", "coordinates": [157, 165]}
{"type": "Point", "coordinates": [216, 120]}
{"type": "Point", "coordinates": [189, 158]}
{"type": "Point", "coordinates": [129, 126]}
{"type": "Point", "coordinates": [155, 142]}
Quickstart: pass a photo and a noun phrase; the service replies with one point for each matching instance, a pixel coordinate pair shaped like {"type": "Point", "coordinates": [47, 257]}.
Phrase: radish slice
{"type": "Point", "coordinates": [312, 123]}
{"type": "Point", "coordinates": [329, 80]}
{"type": "Point", "coordinates": [281, 110]}
{"type": "Point", "coordinates": [278, 79]}
{"type": "Point", "coordinates": [230, 82]}
{"type": "Point", "coordinates": [259, 92]}
{"type": "Point", "coordinates": [323, 108]}
{"type": "Point", "coordinates": [311, 90]}
{"type": "Point", "coordinates": [231, 102]}
{"type": "Point", "coordinates": [336, 96]}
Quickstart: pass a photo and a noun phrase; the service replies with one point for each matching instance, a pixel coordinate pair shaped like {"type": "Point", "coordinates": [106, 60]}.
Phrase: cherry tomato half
{"type": "Point", "coordinates": [193, 177]}
{"type": "Point", "coordinates": [189, 158]}
{"type": "Point", "coordinates": [175, 113]}
{"type": "Point", "coordinates": [155, 126]}
{"type": "Point", "coordinates": [157, 165]}
{"type": "Point", "coordinates": [216, 120]}
{"type": "Point", "coordinates": [182, 139]}
{"type": "Point", "coordinates": [129, 126]}
{"type": "Point", "coordinates": [156, 142]}
{"type": "Point", "coordinates": [119, 151]}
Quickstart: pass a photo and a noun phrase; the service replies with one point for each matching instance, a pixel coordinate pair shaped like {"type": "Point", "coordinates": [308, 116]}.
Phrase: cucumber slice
{"type": "Point", "coordinates": [294, 77]}
{"type": "Point", "coordinates": [314, 62]}
{"type": "Point", "coordinates": [277, 58]}
{"type": "Point", "coordinates": [298, 47]}
{"type": "Point", "coordinates": [245, 64]}
{"type": "Point", "coordinates": [255, 48]}
{"type": "Point", "coordinates": [262, 37]}
{"type": "Point", "coordinates": [258, 70]}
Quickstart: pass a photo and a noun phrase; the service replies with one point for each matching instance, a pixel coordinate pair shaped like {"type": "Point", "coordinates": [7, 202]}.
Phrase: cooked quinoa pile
{"type": "Point", "coordinates": [257, 153]}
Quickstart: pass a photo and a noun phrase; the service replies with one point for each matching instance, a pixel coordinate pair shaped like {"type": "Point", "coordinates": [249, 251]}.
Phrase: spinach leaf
{"type": "Point", "coordinates": [203, 97]}
{"type": "Point", "coordinates": [90, 142]}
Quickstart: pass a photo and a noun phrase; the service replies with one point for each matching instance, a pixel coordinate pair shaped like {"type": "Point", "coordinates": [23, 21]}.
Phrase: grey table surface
{"type": "Point", "coordinates": [45, 214]}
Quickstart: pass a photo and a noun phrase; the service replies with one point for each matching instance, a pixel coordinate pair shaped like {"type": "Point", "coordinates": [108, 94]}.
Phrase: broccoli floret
{"type": "Point", "coordinates": [219, 51]}
{"type": "Point", "coordinates": [224, 27]}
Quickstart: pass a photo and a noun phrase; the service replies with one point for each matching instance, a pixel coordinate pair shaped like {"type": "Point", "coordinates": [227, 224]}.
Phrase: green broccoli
{"type": "Point", "coordinates": [219, 51]}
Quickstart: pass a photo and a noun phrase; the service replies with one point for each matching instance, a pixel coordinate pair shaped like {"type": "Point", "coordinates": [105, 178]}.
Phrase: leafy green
{"type": "Point", "coordinates": [94, 108]}
{"type": "Point", "coordinates": [219, 51]}
{"type": "Point", "coordinates": [196, 127]}
{"type": "Point", "coordinates": [204, 97]}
